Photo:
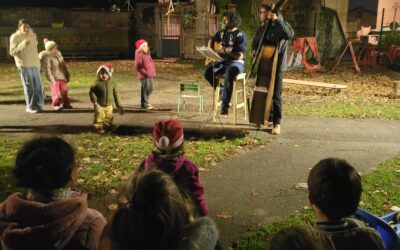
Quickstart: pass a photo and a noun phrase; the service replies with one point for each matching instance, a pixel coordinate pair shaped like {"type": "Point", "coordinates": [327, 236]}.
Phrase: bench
{"type": "Point", "coordinates": [316, 84]}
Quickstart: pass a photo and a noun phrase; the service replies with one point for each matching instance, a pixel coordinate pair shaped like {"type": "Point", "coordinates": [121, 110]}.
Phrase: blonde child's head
{"type": "Point", "coordinates": [142, 45]}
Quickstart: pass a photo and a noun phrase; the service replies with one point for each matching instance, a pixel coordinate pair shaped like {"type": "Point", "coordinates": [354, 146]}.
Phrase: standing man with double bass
{"type": "Point", "coordinates": [280, 32]}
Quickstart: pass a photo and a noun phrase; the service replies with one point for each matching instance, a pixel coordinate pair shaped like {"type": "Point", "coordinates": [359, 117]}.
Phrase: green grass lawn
{"type": "Point", "coordinates": [380, 192]}
{"type": "Point", "coordinates": [106, 161]}
{"type": "Point", "coordinates": [356, 109]}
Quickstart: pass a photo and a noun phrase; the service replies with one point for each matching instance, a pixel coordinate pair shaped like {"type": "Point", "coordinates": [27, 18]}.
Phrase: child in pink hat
{"type": "Point", "coordinates": [168, 157]}
{"type": "Point", "coordinates": [146, 72]}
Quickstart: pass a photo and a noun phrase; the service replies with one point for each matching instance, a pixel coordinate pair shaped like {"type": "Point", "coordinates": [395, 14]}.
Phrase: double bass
{"type": "Point", "coordinates": [267, 59]}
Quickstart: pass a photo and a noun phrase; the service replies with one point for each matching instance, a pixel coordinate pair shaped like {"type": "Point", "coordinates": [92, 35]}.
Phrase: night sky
{"type": "Point", "coordinates": [371, 5]}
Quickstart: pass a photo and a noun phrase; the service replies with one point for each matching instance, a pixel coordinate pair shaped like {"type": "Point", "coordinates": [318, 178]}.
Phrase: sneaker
{"type": "Point", "coordinates": [32, 111]}
{"type": "Point", "coordinates": [111, 126]}
{"type": "Point", "coordinates": [276, 130]}
{"type": "Point", "coordinates": [149, 107]}
{"type": "Point", "coordinates": [100, 130]}
{"type": "Point", "coordinates": [267, 125]}
{"type": "Point", "coordinates": [67, 106]}
{"type": "Point", "coordinates": [57, 107]}
{"type": "Point", "coordinates": [224, 111]}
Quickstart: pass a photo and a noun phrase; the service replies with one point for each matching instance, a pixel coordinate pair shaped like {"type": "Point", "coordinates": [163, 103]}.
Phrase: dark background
{"type": "Point", "coordinates": [371, 5]}
{"type": "Point", "coordinates": [93, 4]}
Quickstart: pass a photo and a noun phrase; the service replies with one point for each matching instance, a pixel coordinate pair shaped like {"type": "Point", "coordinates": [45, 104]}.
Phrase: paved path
{"type": "Point", "coordinates": [273, 171]}
{"type": "Point", "coordinates": [269, 172]}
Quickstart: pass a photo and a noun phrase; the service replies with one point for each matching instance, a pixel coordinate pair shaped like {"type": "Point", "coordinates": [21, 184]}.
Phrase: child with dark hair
{"type": "Point", "coordinates": [51, 215]}
{"type": "Point", "coordinates": [294, 238]}
{"type": "Point", "coordinates": [152, 214]}
{"type": "Point", "coordinates": [233, 50]}
{"type": "Point", "coordinates": [103, 93]}
{"type": "Point", "coordinates": [334, 193]}
{"type": "Point", "coordinates": [168, 156]}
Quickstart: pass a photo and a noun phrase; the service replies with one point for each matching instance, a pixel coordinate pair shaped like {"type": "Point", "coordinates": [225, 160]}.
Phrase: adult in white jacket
{"type": "Point", "coordinates": [23, 47]}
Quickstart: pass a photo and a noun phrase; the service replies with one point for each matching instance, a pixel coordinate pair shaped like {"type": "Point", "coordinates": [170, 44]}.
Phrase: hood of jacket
{"type": "Point", "coordinates": [170, 166]}
{"type": "Point", "coordinates": [202, 234]}
{"type": "Point", "coordinates": [26, 224]}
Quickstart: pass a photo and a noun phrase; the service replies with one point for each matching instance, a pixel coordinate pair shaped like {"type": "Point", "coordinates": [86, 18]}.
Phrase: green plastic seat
{"type": "Point", "coordinates": [189, 90]}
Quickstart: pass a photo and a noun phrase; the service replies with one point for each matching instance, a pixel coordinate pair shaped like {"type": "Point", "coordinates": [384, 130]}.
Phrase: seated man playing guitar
{"type": "Point", "coordinates": [232, 50]}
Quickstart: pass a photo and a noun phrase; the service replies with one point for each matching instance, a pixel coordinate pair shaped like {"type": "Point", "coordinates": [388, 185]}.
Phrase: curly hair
{"type": "Point", "coordinates": [268, 6]}
{"type": "Point", "coordinates": [233, 19]}
{"type": "Point", "coordinates": [44, 164]}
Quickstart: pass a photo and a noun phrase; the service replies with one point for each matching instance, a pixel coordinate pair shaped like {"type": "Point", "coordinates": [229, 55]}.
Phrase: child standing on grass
{"type": "Point", "coordinates": [146, 72]}
{"type": "Point", "coordinates": [56, 71]}
{"type": "Point", "coordinates": [103, 93]}
{"type": "Point", "coordinates": [168, 156]}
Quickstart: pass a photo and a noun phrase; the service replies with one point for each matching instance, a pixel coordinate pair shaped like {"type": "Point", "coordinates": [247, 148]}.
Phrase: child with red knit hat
{"type": "Point", "coordinates": [146, 72]}
{"type": "Point", "coordinates": [103, 93]}
{"type": "Point", "coordinates": [168, 157]}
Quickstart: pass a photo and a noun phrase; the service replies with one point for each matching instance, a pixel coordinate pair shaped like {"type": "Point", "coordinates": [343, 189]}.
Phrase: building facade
{"type": "Point", "coordinates": [392, 12]}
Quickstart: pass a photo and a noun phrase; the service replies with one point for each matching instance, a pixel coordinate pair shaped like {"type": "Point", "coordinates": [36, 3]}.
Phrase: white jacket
{"type": "Point", "coordinates": [23, 47]}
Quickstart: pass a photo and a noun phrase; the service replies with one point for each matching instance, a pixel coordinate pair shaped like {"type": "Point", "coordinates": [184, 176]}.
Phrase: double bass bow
{"type": "Point", "coordinates": [266, 57]}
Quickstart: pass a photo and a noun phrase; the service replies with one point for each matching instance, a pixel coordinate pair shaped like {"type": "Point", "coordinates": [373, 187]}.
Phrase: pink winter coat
{"type": "Point", "coordinates": [63, 224]}
{"type": "Point", "coordinates": [144, 65]}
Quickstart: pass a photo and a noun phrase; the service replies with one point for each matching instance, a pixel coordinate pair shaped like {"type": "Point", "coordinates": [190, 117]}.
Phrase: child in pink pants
{"type": "Point", "coordinates": [55, 69]}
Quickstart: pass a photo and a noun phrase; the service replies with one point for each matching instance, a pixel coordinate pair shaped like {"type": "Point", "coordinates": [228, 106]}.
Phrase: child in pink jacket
{"type": "Point", "coordinates": [146, 71]}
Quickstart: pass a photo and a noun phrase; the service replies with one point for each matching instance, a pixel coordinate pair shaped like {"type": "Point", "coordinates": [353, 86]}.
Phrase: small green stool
{"type": "Point", "coordinates": [189, 90]}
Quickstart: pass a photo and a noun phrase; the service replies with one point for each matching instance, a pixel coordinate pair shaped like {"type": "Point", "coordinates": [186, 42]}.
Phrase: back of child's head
{"type": "Point", "coordinates": [335, 188]}
{"type": "Point", "coordinates": [168, 136]}
{"type": "Point", "coordinates": [44, 164]}
{"type": "Point", "coordinates": [294, 238]}
{"type": "Point", "coordinates": [152, 213]}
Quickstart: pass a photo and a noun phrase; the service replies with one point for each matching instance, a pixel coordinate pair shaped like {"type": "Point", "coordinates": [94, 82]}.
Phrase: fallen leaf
{"type": "Point", "coordinates": [224, 215]}
{"type": "Point", "coordinates": [86, 159]}
{"type": "Point", "coordinates": [208, 158]}
{"type": "Point", "coordinates": [95, 178]}
{"type": "Point", "coordinates": [255, 194]}
{"type": "Point", "coordinates": [301, 185]}
{"type": "Point", "coordinates": [387, 206]}
{"type": "Point", "coordinates": [113, 206]}
{"type": "Point", "coordinates": [113, 191]}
